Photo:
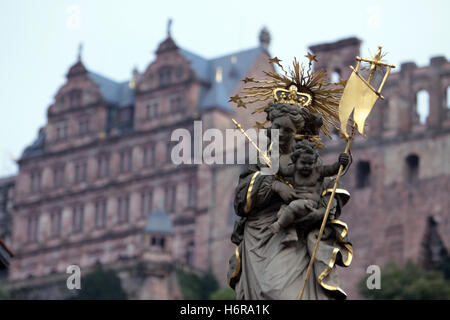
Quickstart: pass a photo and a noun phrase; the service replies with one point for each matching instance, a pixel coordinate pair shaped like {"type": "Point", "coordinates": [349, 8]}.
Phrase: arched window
{"type": "Point", "coordinates": [335, 75]}
{"type": "Point", "coordinates": [362, 174]}
{"type": "Point", "coordinates": [412, 168]}
{"type": "Point", "coordinates": [423, 105]}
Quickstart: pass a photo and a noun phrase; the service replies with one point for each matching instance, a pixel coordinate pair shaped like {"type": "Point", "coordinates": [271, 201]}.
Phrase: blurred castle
{"type": "Point", "coordinates": [88, 188]}
{"type": "Point", "coordinates": [98, 184]}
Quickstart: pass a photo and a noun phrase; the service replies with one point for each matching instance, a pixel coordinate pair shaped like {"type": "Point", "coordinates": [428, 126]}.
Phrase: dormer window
{"type": "Point", "coordinates": [165, 75]}
{"type": "Point", "coordinates": [75, 98]}
{"type": "Point", "coordinates": [152, 109]}
{"type": "Point", "coordinates": [61, 129]}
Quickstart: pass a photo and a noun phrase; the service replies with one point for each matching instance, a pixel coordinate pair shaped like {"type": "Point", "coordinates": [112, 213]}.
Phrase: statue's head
{"type": "Point", "coordinates": [287, 118]}
{"type": "Point", "coordinates": [305, 157]}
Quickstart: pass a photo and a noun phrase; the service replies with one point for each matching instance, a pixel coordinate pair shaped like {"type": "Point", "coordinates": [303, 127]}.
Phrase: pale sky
{"type": "Point", "coordinates": [39, 41]}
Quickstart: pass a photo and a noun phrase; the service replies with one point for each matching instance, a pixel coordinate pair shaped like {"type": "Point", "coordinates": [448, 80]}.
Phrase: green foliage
{"type": "Point", "coordinates": [445, 266]}
{"type": "Point", "coordinates": [408, 283]}
{"type": "Point", "coordinates": [223, 294]}
{"type": "Point", "coordinates": [3, 294]}
{"type": "Point", "coordinates": [101, 285]}
{"type": "Point", "coordinates": [194, 287]}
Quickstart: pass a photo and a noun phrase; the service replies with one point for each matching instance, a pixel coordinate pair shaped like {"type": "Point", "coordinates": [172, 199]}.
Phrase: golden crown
{"type": "Point", "coordinates": [292, 96]}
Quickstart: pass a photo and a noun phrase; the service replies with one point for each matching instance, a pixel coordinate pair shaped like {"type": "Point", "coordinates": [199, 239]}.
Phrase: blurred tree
{"type": "Point", "coordinates": [3, 294]}
{"type": "Point", "coordinates": [223, 294]}
{"type": "Point", "coordinates": [195, 287]}
{"type": "Point", "coordinates": [408, 283]}
{"type": "Point", "coordinates": [101, 285]}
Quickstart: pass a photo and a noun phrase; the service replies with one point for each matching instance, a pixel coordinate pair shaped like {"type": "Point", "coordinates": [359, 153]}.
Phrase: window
{"type": "Point", "coordinates": [363, 174]}
{"type": "Point", "coordinates": [152, 109]}
{"type": "Point", "coordinates": [170, 198]}
{"type": "Point", "coordinates": [55, 223]}
{"type": "Point", "coordinates": [149, 156]}
{"type": "Point", "coordinates": [103, 166]}
{"type": "Point", "coordinates": [412, 168]}
{"type": "Point", "coordinates": [124, 204]}
{"type": "Point", "coordinates": [179, 71]}
{"type": "Point", "coordinates": [422, 106]}
{"type": "Point", "coordinates": [125, 161]}
{"type": "Point", "coordinates": [80, 172]}
{"type": "Point", "coordinates": [83, 126]}
{"type": "Point", "coordinates": [61, 130]}
{"type": "Point", "coordinates": [192, 194]}
{"type": "Point", "coordinates": [335, 75]}
{"type": "Point", "coordinates": [77, 219]}
{"type": "Point", "coordinates": [100, 214]}
{"type": "Point", "coordinates": [33, 228]}
{"type": "Point", "coordinates": [165, 75]}
{"type": "Point", "coordinates": [146, 203]}
{"type": "Point", "coordinates": [75, 98]}
{"type": "Point", "coordinates": [158, 241]}
{"type": "Point", "coordinates": [175, 103]}
{"type": "Point", "coordinates": [58, 176]}
{"type": "Point", "coordinates": [36, 179]}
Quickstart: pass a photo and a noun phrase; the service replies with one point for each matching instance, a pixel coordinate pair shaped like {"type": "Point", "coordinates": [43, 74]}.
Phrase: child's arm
{"type": "Point", "coordinates": [333, 169]}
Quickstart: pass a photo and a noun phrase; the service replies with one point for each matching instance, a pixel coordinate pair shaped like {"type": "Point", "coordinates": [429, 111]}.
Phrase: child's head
{"type": "Point", "coordinates": [305, 157]}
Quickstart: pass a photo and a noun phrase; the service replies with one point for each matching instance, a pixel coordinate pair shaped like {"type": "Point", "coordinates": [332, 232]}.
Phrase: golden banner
{"type": "Point", "coordinates": [357, 96]}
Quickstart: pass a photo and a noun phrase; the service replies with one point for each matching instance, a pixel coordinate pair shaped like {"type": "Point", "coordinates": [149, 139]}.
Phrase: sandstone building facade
{"type": "Point", "coordinates": [98, 185]}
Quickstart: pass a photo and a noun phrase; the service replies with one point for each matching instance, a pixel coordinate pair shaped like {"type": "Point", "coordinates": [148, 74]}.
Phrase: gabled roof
{"type": "Point", "coordinates": [116, 93]}
{"type": "Point", "coordinates": [233, 68]}
{"type": "Point", "coordinates": [37, 147]}
{"type": "Point", "coordinates": [213, 94]}
{"type": "Point", "coordinates": [159, 222]}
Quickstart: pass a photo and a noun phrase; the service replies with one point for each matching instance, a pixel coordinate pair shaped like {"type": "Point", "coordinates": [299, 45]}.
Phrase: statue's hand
{"type": "Point", "coordinates": [344, 159]}
{"type": "Point", "coordinates": [286, 193]}
{"type": "Point", "coordinates": [316, 214]}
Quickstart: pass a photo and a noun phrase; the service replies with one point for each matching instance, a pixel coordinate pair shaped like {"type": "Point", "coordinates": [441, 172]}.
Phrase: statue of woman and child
{"type": "Point", "coordinates": [280, 215]}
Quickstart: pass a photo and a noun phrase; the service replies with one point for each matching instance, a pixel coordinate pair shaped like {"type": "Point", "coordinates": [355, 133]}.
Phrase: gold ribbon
{"type": "Point", "coordinates": [249, 191]}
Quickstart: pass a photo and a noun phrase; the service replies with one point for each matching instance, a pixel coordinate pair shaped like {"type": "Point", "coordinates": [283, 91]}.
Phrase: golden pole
{"type": "Point", "coordinates": [325, 218]}
{"type": "Point", "coordinates": [238, 125]}
{"type": "Point", "coordinates": [264, 154]}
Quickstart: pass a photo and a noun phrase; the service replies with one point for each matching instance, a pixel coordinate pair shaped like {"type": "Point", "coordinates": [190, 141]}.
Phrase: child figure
{"type": "Point", "coordinates": [308, 178]}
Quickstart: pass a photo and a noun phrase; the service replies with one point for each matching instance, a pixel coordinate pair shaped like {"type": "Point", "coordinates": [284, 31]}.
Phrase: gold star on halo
{"type": "Point", "coordinates": [275, 60]}
{"type": "Point", "coordinates": [311, 57]}
{"type": "Point", "coordinates": [234, 98]}
{"type": "Point", "coordinates": [260, 125]}
{"type": "Point", "coordinates": [241, 104]}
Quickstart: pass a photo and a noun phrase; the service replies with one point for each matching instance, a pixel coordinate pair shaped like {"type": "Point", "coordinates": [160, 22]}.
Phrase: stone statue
{"type": "Point", "coordinates": [302, 198]}
{"type": "Point", "coordinates": [268, 264]}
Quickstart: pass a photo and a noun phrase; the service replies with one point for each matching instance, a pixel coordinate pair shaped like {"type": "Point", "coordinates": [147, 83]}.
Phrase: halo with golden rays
{"type": "Point", "coordinates": [325, 94]}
